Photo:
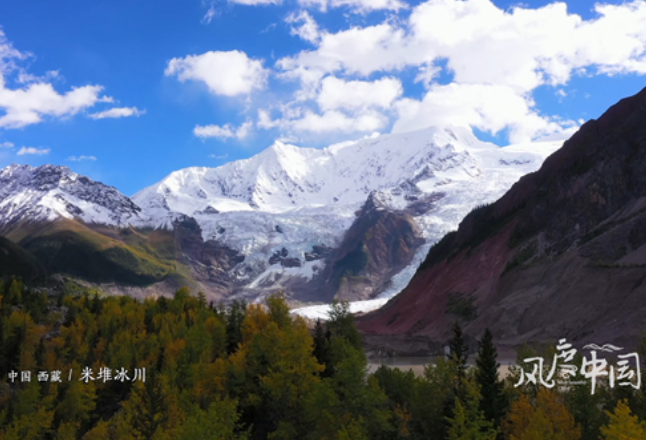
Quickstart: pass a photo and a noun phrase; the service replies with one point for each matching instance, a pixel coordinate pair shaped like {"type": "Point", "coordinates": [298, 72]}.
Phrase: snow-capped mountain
{"type": "Point", "coordinates": [49, 192]}
{"type": "Point", "coordinates": [286, 201]}
{"type": "Point", "coordinates": [352, 220]}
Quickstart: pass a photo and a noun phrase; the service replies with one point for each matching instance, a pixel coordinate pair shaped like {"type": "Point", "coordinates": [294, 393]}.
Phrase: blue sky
{"type": "Point", "coordinates": [128, 91]}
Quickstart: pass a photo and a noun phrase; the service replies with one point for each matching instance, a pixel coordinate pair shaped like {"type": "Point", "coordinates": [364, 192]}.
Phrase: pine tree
{"type": "Point", "coordinates": [322, 348]}
{"type": "Point", "coordinates": [341, 323]}
{"type": "Point", "coordinates": [147, 407]}
{"type": "Point", "coordinates": [458, 358]}
{"type": "Point", "coordinates": [468, 421]}
{"type": "Point", "coordinates": [219, 421]}
{"type": "Point", "coordinates": [235, 317]}
{"type": "Point", "coordinates": [493, 402]}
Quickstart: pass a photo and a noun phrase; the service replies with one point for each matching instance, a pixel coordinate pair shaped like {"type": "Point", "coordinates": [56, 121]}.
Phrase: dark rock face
{"type": "Point", "coordinates": [211, 261]}
{"type": "Point", "coordinates": [290, 262]}
{"type": "Point", "coordinates": [318, 252]}
{"type": "Point", "coordinates": [278, 256]}
{"type": "Point", "coordinates": [210, 210]}
{"type": "Point", "coordinates": [424, 205]}
{"type": "Point", "coordinates": [561, 254]}
{"type": "Point", "coordinates": [378, 245]}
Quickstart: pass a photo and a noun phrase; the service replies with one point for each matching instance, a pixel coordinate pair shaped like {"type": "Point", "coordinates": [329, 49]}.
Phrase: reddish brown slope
{"type": "Point", "coordinates": [562, 254]}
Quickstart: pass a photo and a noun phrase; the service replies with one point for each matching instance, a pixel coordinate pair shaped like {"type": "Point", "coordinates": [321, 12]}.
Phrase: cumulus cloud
{"type": "Point", "coordinates": [486, 107]}
{"type": "Point", "coordinates": [223, 132]}
{"type": "Point", "coordinates": [224, 73]}
{"type": "Point", "coordinates": [496, 58]}
{"type": "Point", "coordinates": [522, 48]}
{"type": "Point", "coordinates": [32, 150]}
{"type": "Point", "coordinates": [336, 121]}
{"type": "Point", "coordinates": [354, 51]}
{"type": "Point", "coordinates": [81, 158]}
{"type": "Point", "coordinates": [117, 112]}
{"type": "Point", "coordinates": [35, 98]}
{"type": "Point", "coordinates": [306, 120]}
{"type": "Point", "coordinates": [352, 95]}
{"type": "Point", "coordinates": [30, 104]}
{"type": "Point", "coordinates": [6, 145]}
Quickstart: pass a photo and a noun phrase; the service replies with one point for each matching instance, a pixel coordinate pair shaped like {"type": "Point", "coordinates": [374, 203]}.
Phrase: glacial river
{"type": "Point", "coordinates": [417, 364]}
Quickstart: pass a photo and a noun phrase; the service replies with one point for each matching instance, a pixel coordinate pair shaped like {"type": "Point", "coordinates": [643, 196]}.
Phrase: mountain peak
{"type": "Point", "coordinates": [561, 254]}
{"type": "Point", "coordinates": [47, 192]}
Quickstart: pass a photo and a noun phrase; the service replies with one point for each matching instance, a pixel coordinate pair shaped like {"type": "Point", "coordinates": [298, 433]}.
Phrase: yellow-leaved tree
{"type": "Point", "coordinates": [546, 419]}
{"type": "Point", "coordinates": [623, 425]}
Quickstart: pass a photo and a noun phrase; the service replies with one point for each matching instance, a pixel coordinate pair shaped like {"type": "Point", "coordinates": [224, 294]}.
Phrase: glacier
{"type": "Point", "coordinates": [288, 200]}
{"type": "Point", "coordinates": [294, 197]}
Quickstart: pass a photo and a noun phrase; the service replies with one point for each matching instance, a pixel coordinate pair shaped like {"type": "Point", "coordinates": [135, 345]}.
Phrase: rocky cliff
{"type": "Point", "coordinates": [561, 255]}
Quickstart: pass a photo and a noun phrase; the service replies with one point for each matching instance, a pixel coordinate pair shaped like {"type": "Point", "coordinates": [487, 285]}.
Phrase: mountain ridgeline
{"type": "Point", "coordinates": [351, 221]}
{"type": "Point", "coordinates": [561, 255]}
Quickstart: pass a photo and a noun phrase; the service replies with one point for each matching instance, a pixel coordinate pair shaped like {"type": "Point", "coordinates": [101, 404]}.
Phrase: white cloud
{"type": "Point", "coordinates": [81, 158]}
{"type": "Point", "coordinates": [30, 104]}
{"type": "Point", "coordinates": [497, 58]}
{"type": "Point", "coordinates": [221, 156]}
{"type": "Point", "coordinates": [32, 150]}
{"type": "Point", "coordinates": [351, 95]}
{"type": "Point", "coordinates": [6, 145]}
{"type": "Point", "coordinates": [354, 51]}
{"type": "Point", "coordinates": [358, 5]}
{"type": "Point", "coordinates": [308, 30]}
{"type": "Point", "coordinates": [486, 107]}
{"type": "Point", "coordinates": [26, 78]}
{"type": "Point", "coordinates": [305, 120]}
{"type": "Point", "coordinates": [265, 121]}
{"type": "Point", "coordinates": [36, 98]}
{"type": "Point", "coordinates": [210, 13]}
{"type": "Point", "coordinates": [269, 27]}
{"type": "Point", "coordinates": [256, 2]}
{"type": "Point", "coordinates": [223, 132]}
{"type": "Point", "coordinates": [225, 73]}
{"type": "Point", "coordinates": [8, 55]}
{"type": "Point", "coordinates": [117, 112]}
{"type": "Point", "coordinates": [336, 121]}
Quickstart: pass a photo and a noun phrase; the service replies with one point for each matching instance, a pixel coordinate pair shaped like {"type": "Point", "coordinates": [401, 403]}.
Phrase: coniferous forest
{"type": "Point", "coordinates": [256, 372]}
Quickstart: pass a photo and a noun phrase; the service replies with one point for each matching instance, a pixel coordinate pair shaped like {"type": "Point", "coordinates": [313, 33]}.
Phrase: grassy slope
{"type": "Point", "coordinates": [102, 254]}
{"type": "Point", "coordinates": [14, 260]}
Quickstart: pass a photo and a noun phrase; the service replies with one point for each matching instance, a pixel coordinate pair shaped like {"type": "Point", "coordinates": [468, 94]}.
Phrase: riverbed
{"type": "Point", "coordinates": [418, 363]}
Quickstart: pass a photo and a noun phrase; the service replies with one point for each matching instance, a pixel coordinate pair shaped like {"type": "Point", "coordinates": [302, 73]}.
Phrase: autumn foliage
{"type": "Point", "coordinates": [252, 372]}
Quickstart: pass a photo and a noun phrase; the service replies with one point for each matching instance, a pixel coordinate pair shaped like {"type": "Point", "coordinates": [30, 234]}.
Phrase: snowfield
{"type": "Point", "coordinates": [287, 199]}
{"type": "Point", "coordinates": [292, 197]}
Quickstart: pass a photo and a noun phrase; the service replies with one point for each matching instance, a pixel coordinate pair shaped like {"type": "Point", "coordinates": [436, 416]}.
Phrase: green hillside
{"type": "Point", "coordinates": [14, 260]}
{"type": "Point", "coordinates": [122, 256]}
